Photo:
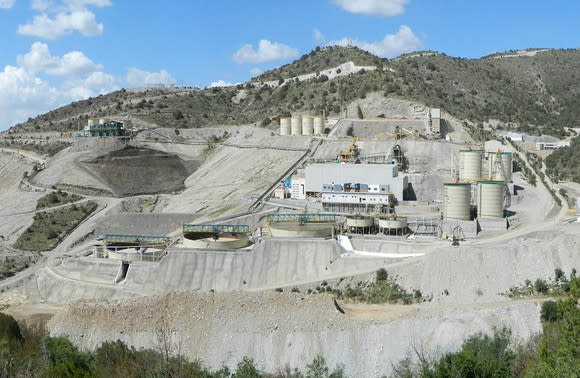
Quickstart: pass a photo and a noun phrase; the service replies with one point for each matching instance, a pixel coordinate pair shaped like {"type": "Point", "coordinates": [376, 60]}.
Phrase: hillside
{"type": "Point", "coordinates": [538, 91]}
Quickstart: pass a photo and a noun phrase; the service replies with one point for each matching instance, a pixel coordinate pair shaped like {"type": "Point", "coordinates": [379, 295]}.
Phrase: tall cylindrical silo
{"type": "Point", "coordinates": [285, 126]}
{"type": "Point", "coordinates": [307, 125]}
{"type": "Point", "coordinates": [490, 199]}
{"type": "Point", "coordinates": [457, 201]}
{"type": "Point", "coordinates": [318, 125]}
{"type": "Point", "coordinates": [296, 125]}
{"type": "Point", "coordinates": [506, 164]}
{"type": "Point", "coordinates": [506, 161]}
{"type": "Point", "coordinates": [470, 165]}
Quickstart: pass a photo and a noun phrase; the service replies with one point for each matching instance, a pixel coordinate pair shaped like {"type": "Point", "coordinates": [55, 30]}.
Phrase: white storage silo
{"type": "Point", "coordinates": [296, 125]}
{"type": "Point", "coordinates": [490, 199]}
{"type": "Point", "coordinates": [506, 162]}
{"type": "Point", "coordinates": [285, 126]}
{"type": "Point", "coordinates": [495, 172]}
{"type": "Point", "coordinates": [318, 125]}
{"type": "Point", "coordinates": [470, 165]}
{"type": "Point", "coordinates": [457, 201]}
{"type": "Point", "coordinates": [307, 125]}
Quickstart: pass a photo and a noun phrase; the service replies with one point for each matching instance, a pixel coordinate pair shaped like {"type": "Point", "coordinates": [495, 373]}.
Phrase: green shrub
{"type": "Point", "coordinates": [549, 312]}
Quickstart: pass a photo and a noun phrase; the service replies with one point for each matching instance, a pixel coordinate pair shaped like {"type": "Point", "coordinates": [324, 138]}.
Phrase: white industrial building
{"type": "Point", "coordinates": [297, 190]}
{"type": "Point", "coordinates": [435, 120]}
{"type": "Point", "coordinates": [372, 175]}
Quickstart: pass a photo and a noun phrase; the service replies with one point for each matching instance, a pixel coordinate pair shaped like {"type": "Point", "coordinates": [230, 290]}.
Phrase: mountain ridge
{"type": "Point", "coordinates": [531, 90]}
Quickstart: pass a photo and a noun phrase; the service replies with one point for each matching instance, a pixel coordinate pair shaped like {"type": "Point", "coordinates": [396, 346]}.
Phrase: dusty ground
{"type": "Point", "coordinates": [292, 328]}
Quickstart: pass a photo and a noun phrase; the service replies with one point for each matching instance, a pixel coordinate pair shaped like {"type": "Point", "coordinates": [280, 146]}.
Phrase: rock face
{"type": "Point", "coordinates": [279, 329]}
{"type": "Point", "coordinates": [133, 171]}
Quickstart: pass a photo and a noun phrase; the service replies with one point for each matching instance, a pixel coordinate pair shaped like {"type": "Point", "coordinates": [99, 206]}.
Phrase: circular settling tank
{"type": "Point", "coordinates": [306, 230]}
{"type": "Point", "coordinates": [207, 240]}
{"type": "Point", "coordinates": [392, 223]}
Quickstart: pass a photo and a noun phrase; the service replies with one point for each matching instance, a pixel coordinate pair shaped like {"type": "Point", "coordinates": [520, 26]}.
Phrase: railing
{"type": "Point", "coordinates": [302, 218]}
{"type": "Point", "coordinates": [136, 239]}
{"type": "Point", "coordinates": [216, 228]}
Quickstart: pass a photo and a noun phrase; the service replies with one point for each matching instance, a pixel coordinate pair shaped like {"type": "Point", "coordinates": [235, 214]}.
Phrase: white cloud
{"type": "Point", "coordinates": [6, 4]}
{"type": "Point", "coordinates": [43, 26]}
{"type": "Point", "coordinates": [267, 51]}
{"type": "Point", "coordinates": [94, 84]}
{"type": "Point", "coordinates": [392, 45]}
{"type": "Point", "coordinates": [39, 59]}
{"type": "Point", "coordinates": [142, 78]}
{"type": "Point", "coordinates": [23, 95]}
{"type": "Point", "coordinates": [319, 38]}
{"type": "Point", "coordinates": [386, 8]}
{"type": "Point", "coordinates": [24, 92]}
{"type": "Point", "coordinates": [81, 4]}
{"type": "Point", "coordinates": [56, 20]}
{"type": "Point", "coordinates": [42, 5]}
{"type": "Point", "coordinates": [221, 83]}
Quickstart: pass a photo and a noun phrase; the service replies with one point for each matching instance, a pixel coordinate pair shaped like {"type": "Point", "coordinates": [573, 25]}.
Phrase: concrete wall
{"type": "Point", "coordinates": [270, 264]}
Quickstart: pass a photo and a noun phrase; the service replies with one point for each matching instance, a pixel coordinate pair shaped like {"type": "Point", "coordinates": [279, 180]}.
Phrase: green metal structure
{"type": "Point", "coordinates": [303, 218]}
{"type": "Point", "coordinates": [113, 239]}
{"type": "Point", "coordinates": [216, 228]}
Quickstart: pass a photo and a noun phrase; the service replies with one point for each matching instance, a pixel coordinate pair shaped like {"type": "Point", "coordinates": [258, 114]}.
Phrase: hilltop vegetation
{"type": "Point", "coordinates": [538, 93]}
{"type": "Point", "coordinates": [320, 59]}
{"type": "Point", "coordinates": [564, 163]}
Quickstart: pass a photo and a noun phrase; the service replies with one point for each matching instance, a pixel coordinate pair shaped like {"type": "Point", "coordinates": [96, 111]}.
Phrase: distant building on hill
{"type": "Point", "coordinates": [103, 128]}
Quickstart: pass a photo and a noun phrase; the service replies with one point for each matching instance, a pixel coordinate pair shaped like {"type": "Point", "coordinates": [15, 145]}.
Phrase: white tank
{"type": "Point", "coordinates": [285, 126]}
{"type": "Point", "coordinates": [318, 125]}
{"type": "Point", "coordinates": [457, 201]}
{"type": "Point", "coordinates": [506, 161]}
{"type": "Point", "coordinates": [359, 222]}
{"type": "Point", "coordinates": [307, 125]}
{"type": "Point", "coordinates": [296, 125]}
{"type": "Point", "coordinates": [494, 171]}
{"type": "Point", "coordinates": [101, 121]}
{"type": "Point", "coordinates": [392, 223]}
{"type": "Point", "coordinates": [470, 165]}
{"type": "Point", "coordinates": [91, 122]}
{"type": "Point", "coordinates": [490, 199]}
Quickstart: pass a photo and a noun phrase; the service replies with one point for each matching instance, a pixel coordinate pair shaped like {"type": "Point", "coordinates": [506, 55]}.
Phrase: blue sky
{"type": "Point", "coordinates": [53, 52]}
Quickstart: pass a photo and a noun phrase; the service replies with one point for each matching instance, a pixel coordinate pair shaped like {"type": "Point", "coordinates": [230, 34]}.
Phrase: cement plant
{"type": "Point", "coordinates": [235, 235]}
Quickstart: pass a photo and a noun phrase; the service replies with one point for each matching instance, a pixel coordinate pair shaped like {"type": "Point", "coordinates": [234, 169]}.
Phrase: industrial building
{"type": "Point", "coordinates": [353, 202]}
{"type": "Point", "coordinates": [372, 175]}
{"type": "Point", "coordinates": [103, 128]}
{"type": "Point", "coordinates": [435, 120]}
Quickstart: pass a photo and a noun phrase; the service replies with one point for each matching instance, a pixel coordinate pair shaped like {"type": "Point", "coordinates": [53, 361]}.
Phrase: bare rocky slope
{"type": "Point", "coordinates": [221, 329]}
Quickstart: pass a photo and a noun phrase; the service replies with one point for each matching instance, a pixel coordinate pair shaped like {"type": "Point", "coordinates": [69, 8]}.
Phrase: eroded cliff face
{"type": "Point", "coordinates": [279, 329]}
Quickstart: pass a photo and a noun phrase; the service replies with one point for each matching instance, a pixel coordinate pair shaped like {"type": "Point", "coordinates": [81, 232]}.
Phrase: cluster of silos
{"type": "Point", "coordinates": [302, 125]}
